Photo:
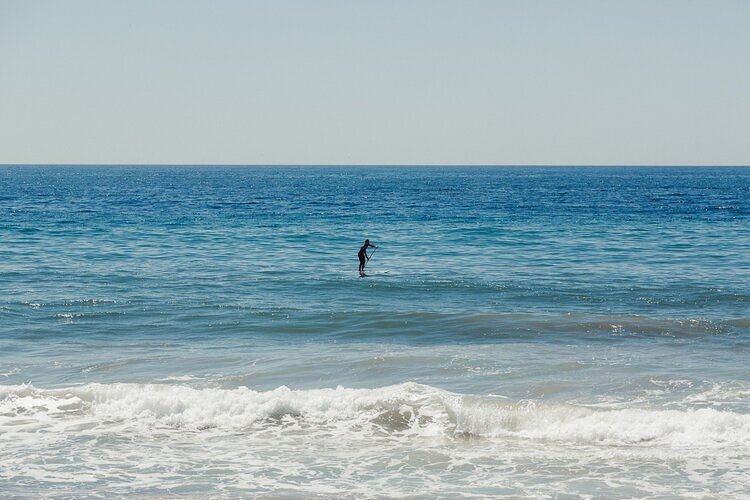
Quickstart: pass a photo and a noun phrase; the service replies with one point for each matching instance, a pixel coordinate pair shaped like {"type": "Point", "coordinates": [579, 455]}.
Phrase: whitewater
{"type": "Point", "coordinates": [394, 440]}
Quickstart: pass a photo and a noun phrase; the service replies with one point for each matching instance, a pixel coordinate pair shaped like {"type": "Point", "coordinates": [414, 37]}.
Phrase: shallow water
{"type": "Point", "coordinates": [521, 331]}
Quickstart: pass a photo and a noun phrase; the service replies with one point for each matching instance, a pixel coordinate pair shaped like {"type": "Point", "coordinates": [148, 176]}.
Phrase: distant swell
{"type": "Point", "coordinates": [408, 409]}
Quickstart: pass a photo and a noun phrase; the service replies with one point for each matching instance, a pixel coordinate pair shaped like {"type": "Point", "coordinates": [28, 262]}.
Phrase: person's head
{"type": "Point", "coordinates": [367, 242]}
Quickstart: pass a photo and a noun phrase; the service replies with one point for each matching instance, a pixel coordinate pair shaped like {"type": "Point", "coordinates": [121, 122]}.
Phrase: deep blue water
{"type": "Point", "coordinates": [598, 290]}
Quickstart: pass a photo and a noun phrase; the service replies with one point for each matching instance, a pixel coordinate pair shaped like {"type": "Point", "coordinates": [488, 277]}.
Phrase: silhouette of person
{"type": "Point", "coordinates": [363, 257]}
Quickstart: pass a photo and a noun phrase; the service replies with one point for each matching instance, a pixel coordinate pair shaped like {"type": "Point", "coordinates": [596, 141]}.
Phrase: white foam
{"type": "Point", "coordinates": [10, 372]}
{"type": "Point", "coordinates": [720, 394]}
{"type": "Point", "coordinates": [178, 378]}
{"type": "Point", "coordinates": [408, 409]}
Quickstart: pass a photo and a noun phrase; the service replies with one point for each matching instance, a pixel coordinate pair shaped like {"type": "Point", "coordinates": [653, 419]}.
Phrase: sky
{"type": "Point", "coordinates": [474, 82]}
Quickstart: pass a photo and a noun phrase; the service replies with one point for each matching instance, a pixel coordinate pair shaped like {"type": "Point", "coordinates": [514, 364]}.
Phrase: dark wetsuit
{"type": "Point", "coordinates": [363, 255]}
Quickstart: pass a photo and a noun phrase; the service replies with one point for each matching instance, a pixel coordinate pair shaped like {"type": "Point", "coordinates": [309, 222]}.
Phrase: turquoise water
{"type": "Point", "coordinates": [520, 331]}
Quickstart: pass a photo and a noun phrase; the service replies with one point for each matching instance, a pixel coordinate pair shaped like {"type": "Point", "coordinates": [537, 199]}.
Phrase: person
{"type": "Point", "coordinates": [363, 257]}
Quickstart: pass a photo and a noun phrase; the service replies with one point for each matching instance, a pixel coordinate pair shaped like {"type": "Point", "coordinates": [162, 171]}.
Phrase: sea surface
{"type": "Point", "coordinates": [179, 331]}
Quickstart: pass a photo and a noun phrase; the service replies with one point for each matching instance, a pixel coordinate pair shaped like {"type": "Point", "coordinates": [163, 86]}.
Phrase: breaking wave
{"type": "Point", "coordinates": [404, 410]}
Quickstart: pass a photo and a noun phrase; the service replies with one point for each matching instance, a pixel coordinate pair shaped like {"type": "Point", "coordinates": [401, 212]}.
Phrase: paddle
{"type": "Point", "coordinates": [370, 256]}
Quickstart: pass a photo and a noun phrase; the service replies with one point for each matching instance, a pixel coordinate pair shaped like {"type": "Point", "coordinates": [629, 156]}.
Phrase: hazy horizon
{"type": "Point", "coordinates": [365, 165]}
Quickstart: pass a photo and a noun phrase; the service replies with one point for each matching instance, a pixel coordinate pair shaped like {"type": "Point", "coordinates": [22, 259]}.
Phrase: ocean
{"type": "Point", "coordinates": [520, 331]}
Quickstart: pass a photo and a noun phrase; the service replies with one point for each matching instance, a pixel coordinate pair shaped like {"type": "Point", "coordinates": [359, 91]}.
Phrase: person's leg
{"type": "Point", "coordinates": [361, 263]}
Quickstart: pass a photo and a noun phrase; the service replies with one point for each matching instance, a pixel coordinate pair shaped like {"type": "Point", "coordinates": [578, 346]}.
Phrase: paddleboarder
{"type": "Point", "coordinates": [363, 257]}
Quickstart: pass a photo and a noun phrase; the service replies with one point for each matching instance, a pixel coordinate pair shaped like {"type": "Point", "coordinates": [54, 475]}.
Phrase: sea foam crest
{"type": "Point", "coordinates": [407, 409]}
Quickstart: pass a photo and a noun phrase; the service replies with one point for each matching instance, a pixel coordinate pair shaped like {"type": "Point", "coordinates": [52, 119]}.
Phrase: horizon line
{"type": "Point", "coordinates": [409, 165]}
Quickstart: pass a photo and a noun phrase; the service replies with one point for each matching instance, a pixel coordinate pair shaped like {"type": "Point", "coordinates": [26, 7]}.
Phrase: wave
{"type": "Point", "coordinates": [448, 321]}
{"type": "Point", "coordinates": [408, 410]}
{"type": "Point", "coordinates": [483, 325]}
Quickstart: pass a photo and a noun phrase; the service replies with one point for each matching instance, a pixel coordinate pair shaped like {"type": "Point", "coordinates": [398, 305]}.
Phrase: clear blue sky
{"type": "Point", "coordinates": [376, 82]}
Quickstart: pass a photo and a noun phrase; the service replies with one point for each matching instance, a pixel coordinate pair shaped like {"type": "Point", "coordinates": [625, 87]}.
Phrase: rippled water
{"type": "Point", "coordinates": [521, 331]}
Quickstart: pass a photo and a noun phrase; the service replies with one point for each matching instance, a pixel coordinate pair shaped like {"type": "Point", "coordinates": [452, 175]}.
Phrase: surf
{"type": "Point", "coordinates": [407, 409]}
